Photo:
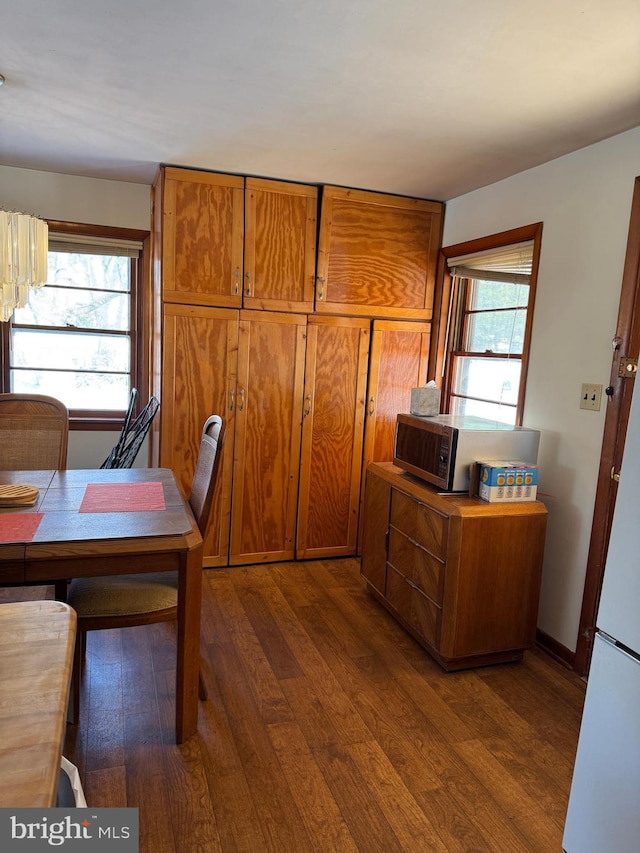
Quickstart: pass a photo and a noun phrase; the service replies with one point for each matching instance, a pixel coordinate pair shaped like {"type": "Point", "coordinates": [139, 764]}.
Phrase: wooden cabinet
{"type": "Point", "coordinates": [199, 369]}
{"type": "Point", "coordinates": [333, 425]}
{"type": "Point", "coordinates": [377, 254]}
{"type": "Point", "coordinates": [461, 575]}
{"type": "Point", "coordinates": [280, 246]}
{"type": "Point", "coordinates": [249, 367]}
{"type": "Point", "coordinates": [240, 330]}
{"type": "Point", "coordinates": [268, 410]}
{"type": "Point", "coordinates": [202, 222]}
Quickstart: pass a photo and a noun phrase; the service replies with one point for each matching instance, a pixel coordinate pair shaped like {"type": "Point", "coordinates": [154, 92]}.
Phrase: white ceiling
{"type": "Point", "coordinates": [431, 98]}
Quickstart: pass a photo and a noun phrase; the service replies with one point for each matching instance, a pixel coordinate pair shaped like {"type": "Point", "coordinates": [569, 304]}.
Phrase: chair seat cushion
{"type": "Point", "coordinates": [123, 594]}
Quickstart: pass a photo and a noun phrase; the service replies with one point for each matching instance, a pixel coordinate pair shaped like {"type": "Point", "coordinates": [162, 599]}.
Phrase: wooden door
{"type": "Point", "coordinates": [280, 245]}
{"type": "Point", "coordinates": [268, 404]}
{"type": "Point", "coordinates": [398, 363]}
{"type": "Point", "coordinates": [332, 437]}
{"type": "Point", "coordinates": [203, 231]}
{"type": "Point", "coordinates": [377, 254]}
{"type": "Point", "coordinates": [199, 363]}
{"type": "Point", "coordinates": [625, 350]}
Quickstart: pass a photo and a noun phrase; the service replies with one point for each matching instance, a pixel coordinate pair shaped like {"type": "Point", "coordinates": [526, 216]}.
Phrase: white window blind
{"type": "Point", "coordinates": [76, 243]}
{"type": "Point", "coordinates": [508, 263]}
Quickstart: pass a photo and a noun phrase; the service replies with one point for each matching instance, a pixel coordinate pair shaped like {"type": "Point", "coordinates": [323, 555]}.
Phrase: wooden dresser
{"type": "Point", "coordinates": [460, 574]}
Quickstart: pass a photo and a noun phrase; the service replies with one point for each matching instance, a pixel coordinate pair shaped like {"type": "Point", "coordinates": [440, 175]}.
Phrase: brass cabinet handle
{"type": "Point", "coordinates": [372, 406]}
{"type": "Point", "coordinates": [241, 403]}
{"type": "Point", "coordinates": [236, 286]}
{"type": "Point", "coordinates": [320, 288]}
{"type": "Point", "coordinates": [232, 399]}
{"type": "Point", "coordinates": [247, 291]}
{"type": "Point", "coordinates": [307, 408]}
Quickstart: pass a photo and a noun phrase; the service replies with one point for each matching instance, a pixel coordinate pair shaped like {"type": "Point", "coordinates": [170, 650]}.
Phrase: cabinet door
{"type": "Point", "coordinates": [377, 254]}
{"type": "Point", "coordinates": [280, 245]}
{"type": "Point", "coordinates": [398, 363]}
{"type": "Point", "coordinates": [203, 230]}
{"type": "Point", "coordinates": [268, 402]}
{"type": "Point", "coordinates": [333, 425]}
{"type": "Point", "coordinates": [199, 363]}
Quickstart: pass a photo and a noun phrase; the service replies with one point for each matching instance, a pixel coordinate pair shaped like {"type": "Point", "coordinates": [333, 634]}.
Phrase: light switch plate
{"type": "Point", "coordinates": [591, 397]}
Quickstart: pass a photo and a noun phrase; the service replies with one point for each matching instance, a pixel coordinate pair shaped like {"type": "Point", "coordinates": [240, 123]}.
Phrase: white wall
{"type": "Point", "coordinates": [92, 202]}
{"type": "Point", "coordinates": [584, 201]}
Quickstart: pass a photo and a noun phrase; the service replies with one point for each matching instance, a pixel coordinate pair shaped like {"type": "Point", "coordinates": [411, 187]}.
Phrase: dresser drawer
{"type": "Point", "coordinates": [415, 609]}
{"type": "Point", "coordinates": [419, 522]}
{"type": "Point", "coordinates": [412, 561]}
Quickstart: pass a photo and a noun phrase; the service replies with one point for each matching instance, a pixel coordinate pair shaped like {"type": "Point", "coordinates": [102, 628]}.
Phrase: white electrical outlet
{"type": "Point", "coordinates": [591, 397]}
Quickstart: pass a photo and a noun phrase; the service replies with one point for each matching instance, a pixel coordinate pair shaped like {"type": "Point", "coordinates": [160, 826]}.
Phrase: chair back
{"type": "Point", "coordinates": [134, 432]}
{"type": "Point", "coordinates": [34, 432]}
{"type": "Point", "coordinates": [204, 479]}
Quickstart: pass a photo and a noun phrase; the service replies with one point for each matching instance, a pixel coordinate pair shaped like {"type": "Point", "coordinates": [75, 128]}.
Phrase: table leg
{"type": "Point", "coordinates": [188, 659]}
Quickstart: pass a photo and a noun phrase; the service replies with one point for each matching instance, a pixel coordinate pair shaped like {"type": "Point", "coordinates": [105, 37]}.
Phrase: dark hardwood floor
{"type": "Point", "coordinates": [327, 728]}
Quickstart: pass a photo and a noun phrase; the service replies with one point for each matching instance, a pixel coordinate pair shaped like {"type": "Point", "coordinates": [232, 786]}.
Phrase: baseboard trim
{"type": "Point", "coordinates": [552, 647]}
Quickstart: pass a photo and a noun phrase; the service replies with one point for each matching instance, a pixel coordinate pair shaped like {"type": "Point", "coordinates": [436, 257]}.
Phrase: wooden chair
{"type": "Point", "coordinates": [34, 432]}
{"type": "Point", "coordinates": [34, 435]}
{"type": "Point", "coordinates": [121, 601]}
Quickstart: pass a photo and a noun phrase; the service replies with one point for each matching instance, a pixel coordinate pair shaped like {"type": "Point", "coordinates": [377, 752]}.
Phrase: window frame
{"type": "Point", "coordinates": [96, 419]}
{"type": "Point", "coordinates": [449, 306]}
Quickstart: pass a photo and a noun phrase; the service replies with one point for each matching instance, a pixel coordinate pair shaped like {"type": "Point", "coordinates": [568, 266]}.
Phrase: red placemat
{"type": "Point", "coordinates": [19, 526]}
{"type": "Point", "coordinates": [123, 497]}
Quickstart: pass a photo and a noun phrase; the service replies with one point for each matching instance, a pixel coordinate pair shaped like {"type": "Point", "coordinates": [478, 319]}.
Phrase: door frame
{"type": "Point", "coordinates": [625, 344]}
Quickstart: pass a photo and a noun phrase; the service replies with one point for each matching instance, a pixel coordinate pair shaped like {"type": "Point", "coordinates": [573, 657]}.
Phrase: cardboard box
{"type": "Point", "coordinates": [507, 480]}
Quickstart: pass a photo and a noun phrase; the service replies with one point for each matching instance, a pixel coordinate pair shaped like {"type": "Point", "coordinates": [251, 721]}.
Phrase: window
{"type": "Point", "coordinates": [77, 338]}
{"type": "Point", "coordinates": [486, 317]}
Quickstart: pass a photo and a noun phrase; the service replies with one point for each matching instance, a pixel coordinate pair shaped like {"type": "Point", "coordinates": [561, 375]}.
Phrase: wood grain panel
{"type": "Point", "coordinates": [203, 224]}
{"type": "Point", "coordinates": [199, 375]}
{"type": "Point", "coordinates": [333, 426]}
{"type": "Point", "coordinates": [374, 544]}
{"type": "Point", "coordinates": [267, 447]}
{"type": "Point", "coordinates": [280, 245]}
{"type": "Point", "coordinates": [377, 254]}
{"type": "Point", "coordinates": [501, 603]}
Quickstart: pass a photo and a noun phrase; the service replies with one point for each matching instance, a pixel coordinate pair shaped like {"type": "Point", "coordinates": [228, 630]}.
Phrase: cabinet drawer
{"type": "Point", "coordinates": [419, 522]}
{"type": "Point", "coordinates": [412, 561]}
{"type": "Point", "coordinates": [417, 611]}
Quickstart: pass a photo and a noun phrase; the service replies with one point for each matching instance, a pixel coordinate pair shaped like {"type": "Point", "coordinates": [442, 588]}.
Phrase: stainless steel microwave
{"type": "Point", "coordinates": [440, 449]}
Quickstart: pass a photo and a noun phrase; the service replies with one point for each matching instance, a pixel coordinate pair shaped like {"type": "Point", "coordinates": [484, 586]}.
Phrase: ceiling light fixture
{"type": "Point", "coordinates": [24, 243]}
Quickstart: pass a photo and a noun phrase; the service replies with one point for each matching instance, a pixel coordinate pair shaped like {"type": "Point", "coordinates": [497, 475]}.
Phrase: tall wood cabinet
{"type": "Point", "coordinates": [460, 574]}
{"type": "Point", "coordinates": [333, 429]}
{"type": "Point", "coordinates": [268, 406]}
{"type": "Point", "coordinates": [199, 374]}
{"type": "Point", "coordinates": [308, 367]}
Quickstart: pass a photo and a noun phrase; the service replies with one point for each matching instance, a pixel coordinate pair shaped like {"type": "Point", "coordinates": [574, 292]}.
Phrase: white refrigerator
{"type": "Point", "coordinates": [604, 804]}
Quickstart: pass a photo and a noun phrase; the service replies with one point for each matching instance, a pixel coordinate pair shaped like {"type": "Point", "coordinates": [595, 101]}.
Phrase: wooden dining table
{"type": "Point", "coordinates": [94, 522]}
{"type": "Point", "coordinates": [36, 653]}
